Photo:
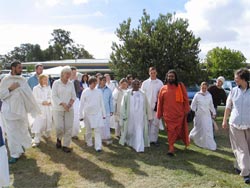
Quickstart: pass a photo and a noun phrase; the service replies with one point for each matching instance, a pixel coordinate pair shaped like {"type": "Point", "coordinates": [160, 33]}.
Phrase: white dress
{"type": "Point", "coordinates": [202, 133]}
{"type": "Point", "coordinates": [136, 124]}
{"type": "Point", "coordinates": [43, 122]}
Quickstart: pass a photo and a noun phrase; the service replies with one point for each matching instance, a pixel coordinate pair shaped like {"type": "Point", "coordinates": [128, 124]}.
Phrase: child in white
{"type": "Point", "coordinates": [43, 122]}
{"type": "Point", "coordinates": [92, 111]}
{"type": "Point", "coordinates": [118, 94]}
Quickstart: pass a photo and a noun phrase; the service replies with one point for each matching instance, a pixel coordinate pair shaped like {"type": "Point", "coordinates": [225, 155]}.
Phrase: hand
{"type": "Point", "coordinates": [13, 86]}
{"type": "Point", "coordinates": [45, 103]}
{"type": "Point", "coordinates": [224, 125]}
{"type": "Point", "coordinates": [65, 106]}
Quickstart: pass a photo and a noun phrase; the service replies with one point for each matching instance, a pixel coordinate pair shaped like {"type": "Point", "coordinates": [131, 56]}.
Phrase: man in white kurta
{"type": "Point", "coordinates": [92, 111]}
{"type": "Point", "coordinates": [18, 101]}
{"type": "Point", "coordinates": [135, 115]}
{"type": "Point", "coordinates": [151, 88]}
{"type": "Point", "coordinates": [202, 105]}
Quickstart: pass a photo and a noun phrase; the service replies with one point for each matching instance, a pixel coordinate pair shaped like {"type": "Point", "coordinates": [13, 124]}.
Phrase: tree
{"type": "Point", "coordinates": [164, 43]}
{"type": "Point", "coordinates": [224, 61]}
{"type": "Point", "coordinates": [26, 52]}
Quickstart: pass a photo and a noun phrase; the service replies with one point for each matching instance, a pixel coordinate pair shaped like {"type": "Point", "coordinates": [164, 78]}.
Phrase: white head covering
{"type": "Point", "coordinates": [221, 78]}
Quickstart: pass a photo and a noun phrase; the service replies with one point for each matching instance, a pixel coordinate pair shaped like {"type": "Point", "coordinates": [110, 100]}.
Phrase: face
{"type": "Point", "coordinates": [171, 78]}
{"type": "Point", "coordinates": [102, 82]}
{"type": "Point", "coordinates": [238, 80]}
{"type": "Point", "coordinates": [153, 74]}
{"type": "Point", "coordinates": [203, 88]}
{"type": "Point", "coordinates": [135, 85]}
{"type": "Point", "coordinates": [66, 75]}
{"type": "Point", "coordinates": [73, 74]}
{"type": "Point", "coordinates": [92, 85]}
{"type": "Point", "coordinates": [130, 80]}
{"type": "Point", "coordinates": [39, 70]}
{"type": "Point", "coordinates": [107, 78]}
{"type": "Point", "coordinates": [44, 81]}
{"type": "Point", "coordinates": [219, 83]}
{"type": "Point", "coordinates": [17, 70]}
{"type": "Point", "coordinates": [124, 85]}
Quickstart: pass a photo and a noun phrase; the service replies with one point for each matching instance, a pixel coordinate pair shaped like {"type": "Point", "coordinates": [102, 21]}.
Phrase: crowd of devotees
{"type": "Point", "coordinates": [136, 110]}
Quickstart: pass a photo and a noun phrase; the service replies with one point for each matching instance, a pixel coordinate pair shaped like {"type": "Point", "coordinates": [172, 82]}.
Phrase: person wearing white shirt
{"type": "Point", "coordinates": [63, 97]}
{"type": "Point", "coordinates": [109, 84]}
{"type": "Point", "coordinates": [151, 88]}
{"type": "Point", "coordinates": [92, 112]}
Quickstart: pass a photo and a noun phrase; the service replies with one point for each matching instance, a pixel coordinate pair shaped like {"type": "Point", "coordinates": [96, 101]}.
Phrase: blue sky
{"type": "Point", "coordinates": [93, 22]}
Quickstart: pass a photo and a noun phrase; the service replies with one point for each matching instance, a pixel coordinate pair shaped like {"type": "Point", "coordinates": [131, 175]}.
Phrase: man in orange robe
{"type": "Point", "coordinates": [173, 106]}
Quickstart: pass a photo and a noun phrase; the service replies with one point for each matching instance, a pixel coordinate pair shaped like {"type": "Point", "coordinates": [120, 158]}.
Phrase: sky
{"type": "Point", "coordinates": [92, 23]}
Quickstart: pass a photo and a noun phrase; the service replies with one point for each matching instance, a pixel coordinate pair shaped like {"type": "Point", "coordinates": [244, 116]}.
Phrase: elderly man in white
{"type": "Point", "coordinates": [63, 97]}
{"type": "Point", "coordinates": [18, 101]}
{"type": "Point", "coordinates": [151, 88]}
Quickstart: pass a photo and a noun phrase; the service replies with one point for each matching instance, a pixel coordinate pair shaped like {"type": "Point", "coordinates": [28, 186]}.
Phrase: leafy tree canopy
{"type": "Point", "coordinates": [223, 62]}
{"type": "Point", "coordinates": [165, 43]}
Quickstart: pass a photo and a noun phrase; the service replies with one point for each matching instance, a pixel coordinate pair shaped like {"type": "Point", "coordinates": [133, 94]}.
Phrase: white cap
{"type": "Point", "coordinates": [221, 78]}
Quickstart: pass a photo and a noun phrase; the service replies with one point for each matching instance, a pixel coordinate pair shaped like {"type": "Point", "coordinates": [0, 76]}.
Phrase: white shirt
{"type": "Point", "coordinates": [62, 93]}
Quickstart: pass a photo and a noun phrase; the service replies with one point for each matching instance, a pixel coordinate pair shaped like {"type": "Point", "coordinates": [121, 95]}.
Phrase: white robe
{"type": "Point", "coordinates": [92, 108]}
{"type": "Point", "coordinates": [4, 166]}
{"type": "Point", "coordinates": [202, 133]}
{"type": "Point", "coordinates": [15, 108]}
{"type": "Point", "coordinates": [43, 122]}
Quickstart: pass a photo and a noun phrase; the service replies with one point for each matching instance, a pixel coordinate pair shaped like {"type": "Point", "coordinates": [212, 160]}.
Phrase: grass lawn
{"type": "Point", "coordinates": [118, 166]}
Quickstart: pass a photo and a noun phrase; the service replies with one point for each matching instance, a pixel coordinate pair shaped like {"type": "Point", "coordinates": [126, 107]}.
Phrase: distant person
{"type": "Point", "coordinates": [202, 133]}
{"type": "Point", "coordinates": [109, 84]}
{"type": "Point", "coordinates": [151, 87]}
{"type": "Point", "coordinates": [130, 79]}
{"type": "Point", "coordinates": [238, 105]}
{"type": "Point", "coordinates": [33, 80]}
{"type": "Point", "coordinates": [109, 109]}
{"type": "Point", "coordinates": [18, 101]}
{"type": "Point", "coordinates": [217, 92]}
{"type": "Point", "coordinates": [77, 86]}
{"type": "Point", "coordinates": [92, 112]}
{"type": "Point", "coordinates": [135, 114]}
{"type": "Point", "coordinates": [118, 94]}
{"type": "Point", "coordinates": [173, 107]}
{"type": "Point", "coordinates": [84, 82]}
{"type": "Point", "coordinates": [63, 97]}
{"type": "Point", "coordinates": [43, 122]}
{"type": "Point", "coordinates": [98, 75]}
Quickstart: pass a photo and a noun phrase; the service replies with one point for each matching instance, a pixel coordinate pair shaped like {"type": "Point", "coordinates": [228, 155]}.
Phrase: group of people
{"type": "Point", "coordinates": [136, 110]}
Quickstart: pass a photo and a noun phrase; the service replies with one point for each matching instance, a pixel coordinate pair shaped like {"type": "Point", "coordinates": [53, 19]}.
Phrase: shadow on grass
{"type": "Point", "coordinates": [185, 159]}
{"type": "Point", "coordinates": [81, 164]}
{"type": "Point", "coordinates": [126, 156]}
{"type": "Point", "coordinates": [27, 174]}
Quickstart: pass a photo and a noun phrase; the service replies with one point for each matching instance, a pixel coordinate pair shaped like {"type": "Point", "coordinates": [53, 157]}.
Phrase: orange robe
{"type": "Point", "coordinates": [174, 112]}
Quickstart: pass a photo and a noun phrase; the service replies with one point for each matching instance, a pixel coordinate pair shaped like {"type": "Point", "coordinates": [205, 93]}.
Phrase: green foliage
{"type": "Point", "coordinates": [223, 61]}
{"type": "Point", "coordinates": [164, 43]}
{"type": "Point", "coordinates": [30, 68]}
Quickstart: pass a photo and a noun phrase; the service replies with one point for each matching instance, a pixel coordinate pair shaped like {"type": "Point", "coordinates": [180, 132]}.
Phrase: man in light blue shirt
{"type": "Point", "coordinates": [33, 80]}
{"type": "Point", "coordinates": [108, 103]}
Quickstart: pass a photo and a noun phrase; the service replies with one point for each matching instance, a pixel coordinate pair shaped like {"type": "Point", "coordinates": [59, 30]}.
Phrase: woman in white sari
{"type": "Point", "coordinates": [202, 105]}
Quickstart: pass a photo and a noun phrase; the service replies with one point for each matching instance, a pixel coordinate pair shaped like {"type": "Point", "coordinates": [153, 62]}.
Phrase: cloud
{"type": "Point", "coordinates": [96, 41]}
{"type": "Point", "coordinates": [79, 16]}
{"type": "Point", "coordinates": [222, 23]}
{"type": "Point", "coordinates": [47, 3]}
{"type": "Point", "coordinates": [77, 2]}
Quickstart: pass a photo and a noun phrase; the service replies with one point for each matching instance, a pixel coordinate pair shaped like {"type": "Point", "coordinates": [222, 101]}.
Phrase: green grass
{"type": "Point", "coordinates": [119, 166]}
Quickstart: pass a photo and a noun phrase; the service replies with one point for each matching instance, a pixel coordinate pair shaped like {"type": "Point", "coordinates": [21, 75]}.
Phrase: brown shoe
{"type": "Point", "coordinates": [66, 149]}
{"type": "Point", "coordinates": [58, 143]}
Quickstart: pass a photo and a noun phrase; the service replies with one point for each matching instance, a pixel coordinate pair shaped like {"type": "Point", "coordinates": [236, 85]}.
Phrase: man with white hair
{"type": "Point", "coordinates": [217, 92]}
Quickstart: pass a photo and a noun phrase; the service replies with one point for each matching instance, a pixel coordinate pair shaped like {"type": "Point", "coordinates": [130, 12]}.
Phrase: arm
{"type": "Point", "coordinates": [194, 105]}
{"type": "Point", "coordinates": [159, 111]}
{"type": "Point", "coordinates": [111, 103]}
{"type": "Point", "coordinates": [185, 98]}
{"type": "Point", "coordinates": [228, 109]}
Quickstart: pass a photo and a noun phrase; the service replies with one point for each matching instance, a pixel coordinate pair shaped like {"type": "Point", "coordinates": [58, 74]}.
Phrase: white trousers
{"type": "Point", "coordinates": [105, 130]}
{"type": "Point", "coordinates": [153, 130]}
{"type": "Point", "coordinates": [63, 122]}
{"type": "Point", "coordinates": [18, 136]}
{"type": "Point", "coordinates": [4, 168]}
{"type": "Point", "coordinates": [88, 137]}
{"type": "Point", "coordinates": [240, 142]}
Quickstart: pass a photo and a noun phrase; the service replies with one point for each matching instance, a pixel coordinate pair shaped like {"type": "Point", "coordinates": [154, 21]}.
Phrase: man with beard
{"type": "Point", "coordinates": [173, 106]}
{"type": "Point", "coordinates": [18, 101]}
